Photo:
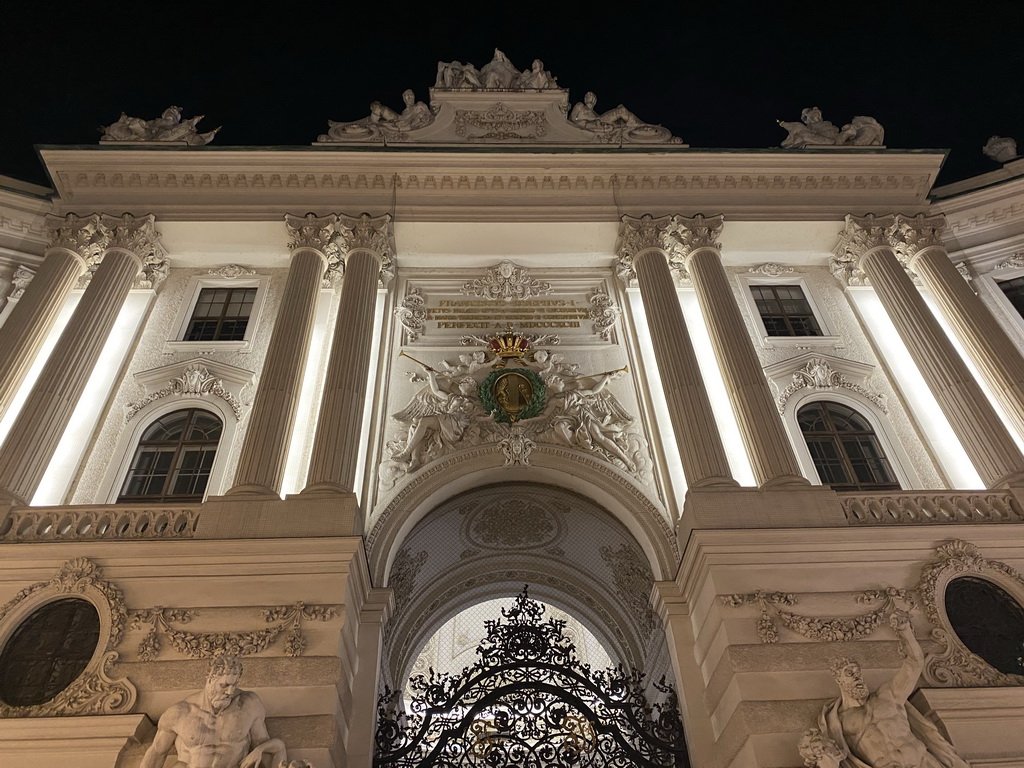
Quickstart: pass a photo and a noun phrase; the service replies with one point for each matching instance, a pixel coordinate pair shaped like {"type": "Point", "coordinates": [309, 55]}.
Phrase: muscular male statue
{"type": "Point", "coordinates": [882, 729]}
{"type": "Point", "coordinates": [222, 726]}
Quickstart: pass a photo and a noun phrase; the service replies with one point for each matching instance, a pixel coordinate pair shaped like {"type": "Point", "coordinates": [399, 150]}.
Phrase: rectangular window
{"type": "Point", "coordinates": [221, 314]}
{"type": "Point", "coordinates": [1014, 291]}
{"type": "Point", "coordinates": [785, 310]}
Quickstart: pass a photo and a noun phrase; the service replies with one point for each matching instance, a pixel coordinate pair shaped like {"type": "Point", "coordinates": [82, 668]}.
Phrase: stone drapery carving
{"type": "Point", "coordinates": [818, 374]}
{"type": "Point", "coordinates": [603, 313]}
{"type": "Point", "coordinates": [382, 124]}
{"type": "Point", "coordinates": [203, 645]}
{"type": "Point", "coordinates": [319, 234]}
{"type": "Point", "coordinates": [954, 664]}
{"type": "Point", "coordinates": [880, 729]}
{"type": "Point", "coordinates": [618, 125]}
{"type": "Point", "coordinates": [232, 271]}
{"type": "Point", "coordinates": [22, 277]}
{"type": "Point", "coordinates": [813, 131]}
{"type": "Point", "coordinates": [93, 692]}
{"type": "Point", "coordinates": [633, 581]}
{"type": "Point", "coordinates": [827, 629]}
{"type": "Point", "coordinates": [169, 128]}
{"type": "Point", "coordinates": [1002, 149]}
{"type": "Point", "coordinates": [771, 269]}
{"type": "Point", "coordinates": [506, 281]}
{"type": "Point", "coordinates": [412, 314]}
{"type": "Point", "coordinates": [195, 381]}
{"type": "Point", "coordinates": [446, 414]}
{"type": "Point", "coordinates": [221, 725]}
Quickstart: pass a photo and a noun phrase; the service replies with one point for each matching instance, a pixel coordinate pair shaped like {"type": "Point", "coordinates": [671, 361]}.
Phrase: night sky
{"type": "Point", "coordinates": [717, 74]}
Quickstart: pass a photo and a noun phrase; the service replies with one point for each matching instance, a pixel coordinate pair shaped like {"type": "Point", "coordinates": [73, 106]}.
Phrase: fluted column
{"type": "Point", "coordinates": [130, 243]}
{"type": "Point", "coordinates": [643, 253]}
{"type": "Point", "coordinates": [869, 241]}
{"type": "Point", "coordinates": [75, 242]}
{"type": "Point", "coordinates": [265, 451]}
{"type": "Point", "coordinates": [917, 244]}
{"type": "Point", "coordinates": [368, 244]}
{"type": "Point", "coordinates": [767, 443]}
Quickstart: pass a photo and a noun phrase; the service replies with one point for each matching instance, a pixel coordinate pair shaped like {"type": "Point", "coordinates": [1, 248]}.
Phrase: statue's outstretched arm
{"type": "Point", "coordinates": [905, 680]}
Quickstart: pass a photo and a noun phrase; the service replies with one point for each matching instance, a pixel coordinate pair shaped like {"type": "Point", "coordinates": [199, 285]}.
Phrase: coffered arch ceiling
{"type": "Point", "coordinates": [490, 541]}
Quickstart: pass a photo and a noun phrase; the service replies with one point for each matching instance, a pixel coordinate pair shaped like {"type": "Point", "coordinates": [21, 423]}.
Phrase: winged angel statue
{"type": "Point", "coordinates": [447, 414]}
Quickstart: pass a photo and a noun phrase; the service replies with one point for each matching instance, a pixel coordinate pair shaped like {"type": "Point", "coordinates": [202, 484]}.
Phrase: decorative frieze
{"type": "Point", "coordinates": [506, 281]}
{"type": "Point", "coordinates": [93, 692]}
{"type": "Point", "coordinates": [89, 524]}
{"type": "Point", "coordinates": [931, 508]}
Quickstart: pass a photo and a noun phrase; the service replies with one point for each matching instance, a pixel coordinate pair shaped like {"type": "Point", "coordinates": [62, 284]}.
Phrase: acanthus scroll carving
{"type": "Point", "coordinates": [93, 692]}
{"type": "Point", "coordinates": [22, 277]}
{"type": "Point", "coordinates": [1016, 261]}
{"type": "Point", "coordinates": [603, 313]}
{"type": "Point", "coordinates": [232, 271]}
{"type": "Point", "coordinates": [507, 282]}
{"type": "Point", "coordinates": [83, 235]}
{"type": "Point", "coordinates": [771, 269]}
{"type": "Point", "coordinates": [954, 664]}
{"type": "Point", "coordinates": [637, 235]}
{"type": "Point", "coordinates": [319, 234]}
{"type": "Point", "coordinates": [412, 314]}
{"type": "Point", "coordinates": [195, 381]}
{"type": "Point", "coordinates": [370, 233]}
{"type": "Point", "coordinates": [818, 374]}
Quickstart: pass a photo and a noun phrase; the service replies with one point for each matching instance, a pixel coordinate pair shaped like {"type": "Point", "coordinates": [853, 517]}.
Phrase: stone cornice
{"type": "Point", "coordinates": [249, 184]}
{"type": "Point", "coordinates": [983, 215]}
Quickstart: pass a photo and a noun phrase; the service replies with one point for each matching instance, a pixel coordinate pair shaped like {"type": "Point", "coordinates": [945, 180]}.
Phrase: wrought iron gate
{"type": "Point", "coordinates": [528, 702]}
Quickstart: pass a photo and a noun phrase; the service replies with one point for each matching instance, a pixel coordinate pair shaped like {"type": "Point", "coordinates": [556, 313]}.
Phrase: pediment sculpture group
{"type": "Point", "coordinates": [499, 75]}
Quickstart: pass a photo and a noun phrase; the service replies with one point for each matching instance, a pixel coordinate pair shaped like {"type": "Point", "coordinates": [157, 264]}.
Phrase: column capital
{"type": "Point", "coordinates": [138, 236]}
{"type": "Point", "coordinates": [375, 234]}
{"type": "Point", "coordinates": [859, 236]}
{"type": "Point", "coordinates": [317, 234]}
{"type": "Point", "coordinates": [84, 236]}
{"type": "Point", "coordinates": [695, 233]}
{"type": "Point", "coordinates": [909, 235]}
{"type": "Point", "coordinates": [637, 235]}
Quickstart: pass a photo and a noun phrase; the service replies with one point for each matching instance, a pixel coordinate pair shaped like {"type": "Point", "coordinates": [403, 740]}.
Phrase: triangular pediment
{"type": "Point", "coordinates": [498, 105]}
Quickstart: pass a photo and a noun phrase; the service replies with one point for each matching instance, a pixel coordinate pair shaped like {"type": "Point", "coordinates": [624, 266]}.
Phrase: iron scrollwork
{"type": "Point", "coordinates": [529, 702]}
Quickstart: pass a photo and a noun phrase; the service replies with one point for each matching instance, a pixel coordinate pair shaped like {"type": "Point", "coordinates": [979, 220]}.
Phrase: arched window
{"type": "Point", "coordinates": [846, 452]}
{"type": "Point", "coordinates": [174, 458]}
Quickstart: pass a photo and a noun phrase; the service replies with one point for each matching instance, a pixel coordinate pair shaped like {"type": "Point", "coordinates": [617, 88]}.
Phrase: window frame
{"type": "Point", "coordinates": [193, 290]}
{"type": "Point", "coordinates": [749, 280]}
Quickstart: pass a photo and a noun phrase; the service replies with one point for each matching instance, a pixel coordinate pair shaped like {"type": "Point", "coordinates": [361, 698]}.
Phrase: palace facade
{"type": "Point", "coordinates": [725, 412]}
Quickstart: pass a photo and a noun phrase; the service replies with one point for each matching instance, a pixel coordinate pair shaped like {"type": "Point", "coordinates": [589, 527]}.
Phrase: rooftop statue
{"type": "Point", "coordinates": [499, 74]}
{"type": "Point", "coordinates": [812, 130]}
{"type": "Point", "coordinates": [617, 125]}
{"type": "Point", "coordinates": [221, 726]}
{"type": "Point", "coordinates": [861, 729]}
{"type": "Point", "coordinates": [1002, 149]}
{"type": "Point", "coordinates": [169, 127]}
{"type": "Point", "coordinates": [383, 123]}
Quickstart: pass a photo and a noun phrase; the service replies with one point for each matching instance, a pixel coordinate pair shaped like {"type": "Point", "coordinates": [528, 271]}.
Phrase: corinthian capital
{"type": "Point", "coordinates": [908, 235]}
{"type": "Point", "coordinates": [637, 235]}
{"type": "Point", "coordinates": [370, 233]}
{"type": "Point", "coordinates": [860, 235]}
{"type": "Point", "coordinates": [312, 231]}
{"type": "Point", "coordinates": [691, 234]}
{"type": "Point", "coordinates": [84, 236]}
{"type": "Point", "coordinates": [136, 234]}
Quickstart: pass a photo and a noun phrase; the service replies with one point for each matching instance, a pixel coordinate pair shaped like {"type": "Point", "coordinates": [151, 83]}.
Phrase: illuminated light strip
{"type": "Point", "coordinates": [371, 385]}
{"type": "Point", "coordinates": [944, 443]}
{"type": "Point", "coordinates": [74, 444]}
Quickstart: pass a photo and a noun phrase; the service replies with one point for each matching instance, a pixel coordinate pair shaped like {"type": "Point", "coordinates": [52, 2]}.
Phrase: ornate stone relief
{"type": "Point", "coordinates": [676, 236]}
{"type": "Point", "coordinates": [506, 281]}
{"type": "Point", "coordinates": [771, 269]}
{"type": "Point", "coordinates": [194, 381]}
{"type": "Point", "coordinates": [169, 128]}
{"type": "Point", "coordinates": [448, 413]}
{"type": "Point", "coordinates": [412, 314]}
{"type": "Point", "coordinates": [317, 233]}
{"type": "Point", "coordinates": [955, 665]}
{"type": "Point", "coordinates": [827, 629]}
{"type": "Point", "coordinates": [515, 524]}
{"type": "Point", "coordinates": [22, 277]}
{"type": "Point", "coordinates": [1014, 262]}
{"type": "Point", "coordinates": [402, 578]}
{"type": "Point", "coordinates": [501, 123]}
{"type": "Point", "coordinates": [633, 583]}
{"type": "Point", "coordinates": [813, 131]}
{"type": "Point", "coordinates": [232, 271]}
{"type": "Point", "coordinates": [603, 313]}
{"type": "Point", "coordinates": [93, 692]}
{"type": "Point", "coordinates": [905, 235]}
{"type": "Point", "coordinates": [370, 233]}
{"type": "Point", "coordinates": [204, 645]}
{"type": "Point", "coordinates": [92, 237]}
{"type": "Point", "coordinates": [818, 374]}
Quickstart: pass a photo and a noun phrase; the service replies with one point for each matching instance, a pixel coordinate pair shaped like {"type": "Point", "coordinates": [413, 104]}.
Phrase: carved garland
{"type": "Point", "coordinates": [954, 664]}
{"type": "Point", "coordinates": [195, 381]}
{"type": "Point", "coordinates": [205, 645]}
{"type": "Point", "coordinates": [93, 692]}
{"type": "Point", "coordinates": [818, 374]}
{"type": "Point", "coordinates": [827, 629]}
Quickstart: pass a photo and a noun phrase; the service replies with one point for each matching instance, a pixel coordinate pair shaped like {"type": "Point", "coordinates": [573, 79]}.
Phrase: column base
{"type": "Point", "coordinates": [251, 491]}
{"type": "Point", "coordinates": [325, 488]}
{"type": "Point", "coordinates": [787, 481]}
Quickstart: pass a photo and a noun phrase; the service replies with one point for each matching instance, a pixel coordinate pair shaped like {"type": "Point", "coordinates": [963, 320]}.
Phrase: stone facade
{"type": "Point", "coordinates": [447, 389]}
